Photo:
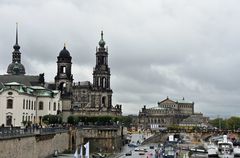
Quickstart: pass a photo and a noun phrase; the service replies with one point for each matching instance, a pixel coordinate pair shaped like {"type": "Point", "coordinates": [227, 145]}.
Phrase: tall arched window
{"type": "Point", "coordinates": [104, 82]}
{"type": "Point", "coordinates": [99, 81]}
{"type": "Point", "coordinates": [26, 104]}
{"type": "Point", "coordinates": [103, 101]}
{"type": "Point", "coordinates": [40, 106]}
{"type": "Point", "coordinates": [9, 104]}
{"type": "Point", "coordinates": [23, 103]}
{"type": "Point", "coordinates": [54, 106]}
{"type": "Point", "coordinates": [49, 104]}
{"type": "Point", "coordinates": [9, 120]}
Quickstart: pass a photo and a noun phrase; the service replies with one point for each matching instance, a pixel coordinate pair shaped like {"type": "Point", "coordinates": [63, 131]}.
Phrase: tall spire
{"type": "Point", "coordinates": [101, 35]}
{"type": "Point", "coordinates": [16, 33]}
{"type": "Point", "coordinates": [101, 42]}
{"type": "Point", "coordinates": [16, 46]}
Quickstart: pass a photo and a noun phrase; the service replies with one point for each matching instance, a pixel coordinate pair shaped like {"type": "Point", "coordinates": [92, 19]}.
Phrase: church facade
{"type": "Point", "coordinates": [86, 98]}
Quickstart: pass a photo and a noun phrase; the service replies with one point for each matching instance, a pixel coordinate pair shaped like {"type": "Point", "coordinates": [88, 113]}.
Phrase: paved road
{"type": "Point", "coordinates": [135, 154]}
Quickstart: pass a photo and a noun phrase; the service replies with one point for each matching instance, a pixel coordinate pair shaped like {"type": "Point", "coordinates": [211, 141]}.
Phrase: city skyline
{"type": "Point", "coordinates": [156, 49]}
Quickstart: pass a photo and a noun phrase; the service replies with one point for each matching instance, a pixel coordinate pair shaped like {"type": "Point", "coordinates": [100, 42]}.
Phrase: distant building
{"type": "Point", "coordinates": [196, 120]}
{"type": "Point", "coordinates": [167, 113]}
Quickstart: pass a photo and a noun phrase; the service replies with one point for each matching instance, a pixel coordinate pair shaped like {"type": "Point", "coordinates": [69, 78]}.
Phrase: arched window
{"type": "Point", "coordinates": [63, 69]}
{"type": "Point", "coordinates": [99, 81]}
{"type": "Point", "coordinates": [32, 105]}
{"type": "Point", "coordinates": [9, 120]}
{"type": "Point", "coordinates": [9, 104]}
{"type": "Point", "coordinates": [58, 106]}
{"type": "Point", "coordinates": [23, 103]}
{"type": "Point", "coordinates": [49, 106]}
{"type": "Point", "coordinates": [26, 104]}
{"type": "Point", "coordinates": [54, 106]}
{"type": "Point", "coordinates": [104, 82]}
{"type": "Point", "coordinates": [103, 101]}
{"type": "Point", "coordinates": [40, 106]}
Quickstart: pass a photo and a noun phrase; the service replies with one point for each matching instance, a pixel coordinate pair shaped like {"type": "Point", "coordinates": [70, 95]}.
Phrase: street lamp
{"type": "Point", "coordinates": [14, 122]}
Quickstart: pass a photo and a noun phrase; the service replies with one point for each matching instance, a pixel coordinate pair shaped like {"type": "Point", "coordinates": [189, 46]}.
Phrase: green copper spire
{"type": "Point", "coordinates": [101, 42]}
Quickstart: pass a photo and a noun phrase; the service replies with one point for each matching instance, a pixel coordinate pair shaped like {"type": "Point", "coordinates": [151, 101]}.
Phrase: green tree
{"type": "Point", "coordinates": [73, 120]}
{"type": "Point", "coordinates": [233, 123]}
{"type": "Point", "coordinates": [220, 123]}
{"type": "Point", "coordinates": [52, 119]}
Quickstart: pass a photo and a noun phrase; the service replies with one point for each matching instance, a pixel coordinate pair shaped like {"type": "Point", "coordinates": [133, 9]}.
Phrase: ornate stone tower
{"type": "Point", "coordinates": [16, 68]}
{"type": "Point", "coordinates": [101, 79]}
{"type": "Point", "coordinates": [64, 78]}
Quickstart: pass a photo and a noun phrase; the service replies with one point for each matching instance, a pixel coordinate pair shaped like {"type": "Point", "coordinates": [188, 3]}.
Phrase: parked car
{"type": "Point", "coordinates": [128, 153]}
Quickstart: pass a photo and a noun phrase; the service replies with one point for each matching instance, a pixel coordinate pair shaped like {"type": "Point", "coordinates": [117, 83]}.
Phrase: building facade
{"type": "Point", "coordinates": [21, 104]}
{"type": "Point", "coordinates": [23, 98]}
{"type": "Point", "coordinates": [86, 98]}
{"type": "Point", "coordinates": [79, 98]}
{"type": "Point", "coordinates": [168, 112]}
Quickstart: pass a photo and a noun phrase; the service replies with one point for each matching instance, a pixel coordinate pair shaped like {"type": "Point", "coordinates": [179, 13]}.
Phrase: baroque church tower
{"type": "Point", "coordinates": [64, 77]}
{"type": "Point", "coordinates": [101, 78]}
{"type": "Point", "coordinates": [16, 68]}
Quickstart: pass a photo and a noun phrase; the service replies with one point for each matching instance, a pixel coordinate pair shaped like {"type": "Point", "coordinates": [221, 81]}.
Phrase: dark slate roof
{"type": "Point", "coordinates": [64, 53]}
{"type": "Point", "coordinates": [16, 68]}
{"type": "Point", "coordinates": [82, 84]}
{"type": "Point", "coordinates": [27, 80]}
{"type": "Point", "coordinates": [51, 86]}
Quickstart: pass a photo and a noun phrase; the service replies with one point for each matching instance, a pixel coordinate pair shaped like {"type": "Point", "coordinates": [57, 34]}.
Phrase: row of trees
{"type": "Point", "coordinates": [232, 123]}
{"type": "Point", "coordinates": [100, 120]}
{"type": "Point", "coordinates": [97, 120]}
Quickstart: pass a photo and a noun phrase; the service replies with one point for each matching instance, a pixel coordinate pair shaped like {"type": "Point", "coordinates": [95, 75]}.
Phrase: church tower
{"type": "Point", "coordinates": [64, 78]}
{"type": "Point", "coordinates": [16, 68]}
{"type": "Point", "coordinates": [101, 78]}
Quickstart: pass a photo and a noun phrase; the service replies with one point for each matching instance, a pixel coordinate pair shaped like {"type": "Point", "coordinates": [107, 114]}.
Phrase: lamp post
{"type": "Point", "coordinates": [14, 122]}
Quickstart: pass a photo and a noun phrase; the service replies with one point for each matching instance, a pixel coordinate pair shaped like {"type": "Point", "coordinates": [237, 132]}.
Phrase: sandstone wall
{"type": "Point", "coordinates": [33, 146]}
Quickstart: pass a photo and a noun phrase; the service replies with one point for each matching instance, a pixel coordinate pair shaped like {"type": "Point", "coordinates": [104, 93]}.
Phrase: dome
{"type": "Point", "coordinates": [101, 42]}
{"type": "Point", "coordinates": [16, 69]}
{"type": "Point", "coordinates": [64, 53]}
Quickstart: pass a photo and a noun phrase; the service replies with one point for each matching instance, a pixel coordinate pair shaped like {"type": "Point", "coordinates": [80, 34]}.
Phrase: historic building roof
{"type": "Point", "coordinates": [64, 53]}
{"type": "Point", "coordinates": [27, 80]}
{"type": "Point", "coordinates": [30, 90]}
{"type": "Point", "coordinates": [173, 100]}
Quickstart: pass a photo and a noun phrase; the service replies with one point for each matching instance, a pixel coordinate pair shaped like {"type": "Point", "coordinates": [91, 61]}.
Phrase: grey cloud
{"type": "Point", "coordinates": [157, 48]}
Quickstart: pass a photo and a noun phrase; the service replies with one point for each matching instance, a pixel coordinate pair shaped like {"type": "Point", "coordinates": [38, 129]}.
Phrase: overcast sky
{"type": "Point", "coordinates": [157, 48]}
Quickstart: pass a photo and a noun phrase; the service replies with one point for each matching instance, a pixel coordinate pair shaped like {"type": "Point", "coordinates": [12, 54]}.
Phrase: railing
{"type": "Point", "coordinates": [11, 133]}
{"type": "Point", "coordinates": [98, 126]}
